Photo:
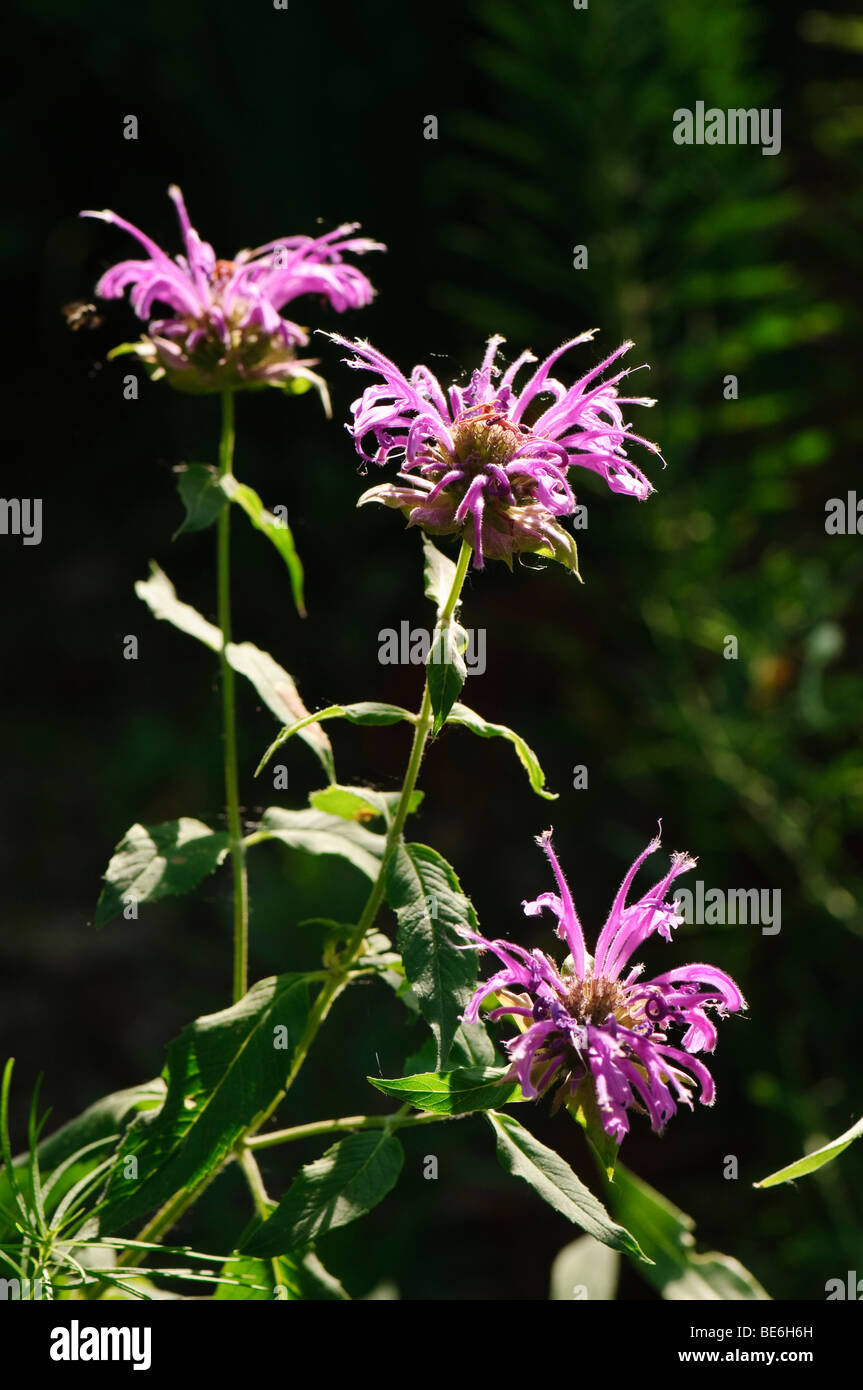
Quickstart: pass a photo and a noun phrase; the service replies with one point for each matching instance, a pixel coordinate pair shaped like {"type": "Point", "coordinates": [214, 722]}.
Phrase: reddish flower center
{"type": "Point", "coordinates": [484, 435]}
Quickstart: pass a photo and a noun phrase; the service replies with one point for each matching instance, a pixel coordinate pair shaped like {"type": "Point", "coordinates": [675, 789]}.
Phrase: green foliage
{"type": "Point", "coordinates": [316, 832]}
{"type": "Point", "coordinates": [221, 1073]}
{"type": "Point", "coordinates": [156, 861]}
{"type": "Point", "coordinates": [456, 1092]}
{"type": "Point", "coordinates": [523, 1156]}
{"type": "Point", "coordinates": [275, 687]}
{"type": "Point", "coordinates": [665, 1235]}
{"type": "Point", "coordinates": [425, 894]}
{"type": "Point", "coordinates": [446, 669]}
{"type": "Point", "coordinates": [469, 719]}
{"type": "Point", "coordinates": [344, 1184]}
{"type": "Point", "coordinates": [201, 494]}
{"type": "Point", "coordinates": [811, 1162]}
{"type": "Point", "coordinates": [275, 529]}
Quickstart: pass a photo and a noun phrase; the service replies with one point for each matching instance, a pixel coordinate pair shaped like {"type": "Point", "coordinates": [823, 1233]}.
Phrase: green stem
{"type": "Point", "coordinates": [263, 1204]}
{"type": "Point", "coordinates": [333, 988]}
{"type": "Point", "coordinates": [347, 1122]}
{"type": "Point", "coordinates": [229, 722]}
{"type": "Point", "coordinates": [337, 980]}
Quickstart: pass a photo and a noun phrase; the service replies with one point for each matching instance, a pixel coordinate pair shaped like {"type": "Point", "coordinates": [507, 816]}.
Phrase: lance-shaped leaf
{"type": "Point", "coordinates": [426, 896]}
{"type": "Point", "coordinates": [351, 1178]}
{"type": "Point", "coordinates": [273, 528]}
{"type": "Point", "coordinates": [665, 1234]}
{"type": "Point", "coordinates": [469, 719]}
{"type": "Point", "coordinates": [158, 861]}
{"type": "Point", "coordinates": [520, 1154]}
{"type": "Point", "coordinates": [438, 574]}
{"type": "Point", "coordinates": [74, 1150]}
{"type": "Point", "coordinates": [272, 682]}
{"type": "Point", "coordinates": [453, 1092]}
{"type": "Point", "coordinates": [364, 712]}
{"type": "Point", "coordinates": [315, 832]}
{"type": "Point", "coordinates": [201, 494]}
{"type": "Point", "coordinates": [446, 670]}
{"type": "Point", "coordinates": [221, 1073]}
{"type": "Point", "coordinates": [811, 1162]}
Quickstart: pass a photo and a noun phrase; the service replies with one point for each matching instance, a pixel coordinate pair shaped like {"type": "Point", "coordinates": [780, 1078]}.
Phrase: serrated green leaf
{"type": "Point", "coordinates": [351, 1178]}
{"type": "Point", "coordinates": [665, 1234]}
{"type": "Point", "coordinates": [159, 861]}
{"type": "Point", "coordinates": [453, 1092]}
{"type": "Point", "coordinates": [314, 832]}
{"type": "Point", "coordinates": [469, 719]}
{"type": "Point", "coordinates": [810, 1163]}
{"type": "Point", "coordinates": [446, 670]}
{"type": "Point", "coordinates": [272, 682]}
{"type": "Point", "coordinates": [520, 1154]}
{"type": "Point", "coordinates": [275, 530]}
{"type": "Point", "coordinates": [425, 894]}
{"type": "Point", "coordinates": [201, 495]}
{"type": "Point", "coordinates": [221, 1072]}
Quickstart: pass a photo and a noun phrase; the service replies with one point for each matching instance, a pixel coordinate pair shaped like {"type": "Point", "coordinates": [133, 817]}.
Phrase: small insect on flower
{"type": "Point", "coordinates": [79, 314]}
{"type": "Point", "coordinates": [490, 463]}
{"type": "Point", "coordinates": [588, 1023]}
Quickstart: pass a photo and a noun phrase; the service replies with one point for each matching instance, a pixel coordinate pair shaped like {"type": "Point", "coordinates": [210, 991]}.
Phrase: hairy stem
{"type": "Point", "coordinates": [229, 722]}
{"type": "Point", "coordinates": [346, 1123]}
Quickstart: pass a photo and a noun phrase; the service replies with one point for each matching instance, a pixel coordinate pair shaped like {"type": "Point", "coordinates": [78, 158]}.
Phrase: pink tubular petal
{"type": "Point", "coordinates": [708, 975]}
{"type": "Point", "coordinates": [569, 926]}
{"type": "Point", "coordinates": [612, 924]}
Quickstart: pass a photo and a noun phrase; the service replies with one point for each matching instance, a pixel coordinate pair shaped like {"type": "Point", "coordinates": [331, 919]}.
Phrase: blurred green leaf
{"type": "Point", "coordinates": [201, 494]}
{"type": "Point", "coordinates": [585, 1269]}
{"type": "Point", "coordinates": [665, 1234]}
{"type": "Point", "coordinates": [811, 1162]}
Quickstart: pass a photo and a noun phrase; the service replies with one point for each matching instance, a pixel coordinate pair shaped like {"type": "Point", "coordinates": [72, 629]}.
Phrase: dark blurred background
{"type": "Point", "coordinates": [555, 130]}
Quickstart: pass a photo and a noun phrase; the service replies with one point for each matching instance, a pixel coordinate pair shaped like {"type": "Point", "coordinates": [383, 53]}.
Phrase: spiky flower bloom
{"type": "Point", "coordinates": [488, 462]}
{"type": "Point", "coordinates": [225, 328]}
{"type": "Point", "coordinates": [595, 1021]}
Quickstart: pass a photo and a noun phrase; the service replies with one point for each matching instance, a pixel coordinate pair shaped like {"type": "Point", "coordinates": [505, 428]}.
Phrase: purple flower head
{"type": "Point", "coordinates": [588, 1021]}
{"type": "Point", "coordinates": [488, 462]}
{"type": "Point", "coordinates": [225, 327]}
